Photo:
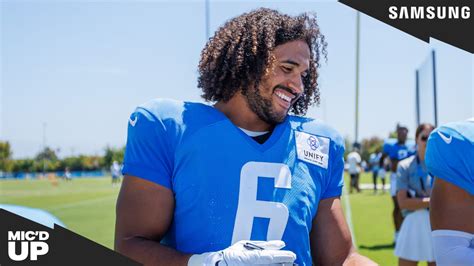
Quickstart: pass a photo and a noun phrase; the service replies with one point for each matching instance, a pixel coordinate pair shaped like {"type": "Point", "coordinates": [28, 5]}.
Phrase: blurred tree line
{"type": "Point", "coordinates": [48, 161]}
{"type": "Point", "coordinates": [374, 145]}
{"type": "Point", "coordinates": [369, 145]}
{"type": "Point", "coordinates": [366, 147]}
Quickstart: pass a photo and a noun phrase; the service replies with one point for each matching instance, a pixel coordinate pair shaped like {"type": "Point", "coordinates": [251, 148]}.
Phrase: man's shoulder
{"type": "Point", "coordinates": [462, 131]}
{"type": "Point", "coordinates": [392, 145]}
{"type": "Point", "coordinates": [179, 113]}
{"type": "Point", "coordinates": [169, 108]}
{"type": "Point", "coordinates": [388, 144]}
{"type": "Point", "coordinates": [315, 127]}
{"type": "Point", "coordinates": [455, 139]}
{"type": "Point", "coordinates": [448, 147]}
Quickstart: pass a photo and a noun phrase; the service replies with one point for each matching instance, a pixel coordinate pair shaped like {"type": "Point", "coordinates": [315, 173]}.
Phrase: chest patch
{"type": "Point", "coordinates": [312, 149]}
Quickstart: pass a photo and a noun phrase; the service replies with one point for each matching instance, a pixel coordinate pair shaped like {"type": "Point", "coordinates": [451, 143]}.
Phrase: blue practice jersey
{"type": "Point", "coordinates": [450, 154]}
{"type": "Point", "coordinates": [395, 151]}
{"type": "Point", "coordinates": [228, 187]}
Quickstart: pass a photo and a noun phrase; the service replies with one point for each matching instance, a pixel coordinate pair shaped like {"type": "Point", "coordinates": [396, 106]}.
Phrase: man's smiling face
{"type": "Point", "coordinates": [283, 84]}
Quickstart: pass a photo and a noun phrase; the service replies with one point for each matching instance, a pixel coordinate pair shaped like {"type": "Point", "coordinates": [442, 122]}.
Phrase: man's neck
{"type": "Point", "coordinates": [239, 112]}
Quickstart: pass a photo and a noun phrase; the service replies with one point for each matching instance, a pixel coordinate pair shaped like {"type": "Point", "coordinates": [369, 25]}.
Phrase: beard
{"type": "Point", "coordinates": [263, 107]}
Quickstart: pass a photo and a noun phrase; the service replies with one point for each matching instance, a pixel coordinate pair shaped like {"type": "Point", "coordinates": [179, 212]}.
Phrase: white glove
{"type": "Point", "coordinates": [246, 252]}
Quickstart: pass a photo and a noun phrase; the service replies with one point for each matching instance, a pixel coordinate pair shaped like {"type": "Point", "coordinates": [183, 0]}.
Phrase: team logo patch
{"type": "Point", "coordinates": [312, 149]}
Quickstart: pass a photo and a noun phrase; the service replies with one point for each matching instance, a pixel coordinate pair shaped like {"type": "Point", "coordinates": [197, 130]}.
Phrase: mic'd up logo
{"type": "Point", "coordinates": [30, 243]}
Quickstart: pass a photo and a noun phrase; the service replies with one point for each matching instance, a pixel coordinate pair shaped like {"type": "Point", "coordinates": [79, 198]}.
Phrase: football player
{"type": "Point", "coordinates": [397, 150]}
{"type": "Point", "coordinates": [236, 182]}
{"type": "Point", "coordinates": [450, 158]}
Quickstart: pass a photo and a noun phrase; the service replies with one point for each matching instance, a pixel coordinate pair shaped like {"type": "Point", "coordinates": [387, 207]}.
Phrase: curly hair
{"type": "Point", "coordinates": [240, 53]}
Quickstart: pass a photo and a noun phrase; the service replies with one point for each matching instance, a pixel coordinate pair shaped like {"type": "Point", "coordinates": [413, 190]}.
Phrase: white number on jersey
{"type": "Point", "coordinates": [249, 207]}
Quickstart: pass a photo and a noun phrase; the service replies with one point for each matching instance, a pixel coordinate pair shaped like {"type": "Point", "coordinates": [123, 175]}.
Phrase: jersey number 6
{"type": "Point", "coordinates": [249, 207]}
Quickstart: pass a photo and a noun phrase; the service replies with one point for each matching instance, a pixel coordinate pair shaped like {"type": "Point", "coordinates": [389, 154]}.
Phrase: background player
{"type": "Point", "coordinates": [449, 157]}
{"type": "Point", "coordinates": [397, 151]}
{"type": "Point", "coordinates": [115, 171]}
{"type": "Point", "coordinates": [201, 178]}
{"type": "Point", "coordinates": [374, 162]}
{"type": "Point", "coordinates": [354, 162]}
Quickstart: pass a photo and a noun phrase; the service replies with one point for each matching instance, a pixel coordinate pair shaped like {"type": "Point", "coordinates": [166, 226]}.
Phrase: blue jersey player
{"type": "Point", "coordinates": [397, 150]}
{"type": "Point", "coordinates": [450, 158]}
{"type": "Point", "coordinates": [239, 182]}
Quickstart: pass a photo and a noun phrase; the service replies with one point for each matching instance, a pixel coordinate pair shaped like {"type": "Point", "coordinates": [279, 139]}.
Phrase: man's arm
{"type": "Point", "coordinates": [144, 214]}
{"type": "Point", "coordinates": [411, 204]}
{"type": "Point", "coordinates": [452, 208]}
{"type": "Point", "coordinates": [331, 242]}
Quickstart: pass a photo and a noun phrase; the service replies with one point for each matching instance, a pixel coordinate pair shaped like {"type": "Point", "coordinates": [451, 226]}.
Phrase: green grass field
{"type": "Point", "coordinates": [87, 207]}
{"type": "Point", "coordinates": [372, 223]}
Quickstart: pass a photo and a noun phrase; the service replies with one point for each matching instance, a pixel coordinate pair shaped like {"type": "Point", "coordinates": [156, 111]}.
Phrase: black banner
{"type": "Point", "coordinates": [24, 242]}
{"type": "Point", "coordinates": [449, 21]}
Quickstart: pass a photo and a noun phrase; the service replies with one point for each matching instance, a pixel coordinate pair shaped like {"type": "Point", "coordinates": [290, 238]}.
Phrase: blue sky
{"type": "Point", "coordinates": [81, 67]}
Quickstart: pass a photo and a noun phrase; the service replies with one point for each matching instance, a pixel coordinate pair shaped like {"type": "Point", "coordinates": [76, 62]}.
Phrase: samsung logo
{"type": "Point", "coordinates": [429, 12]}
